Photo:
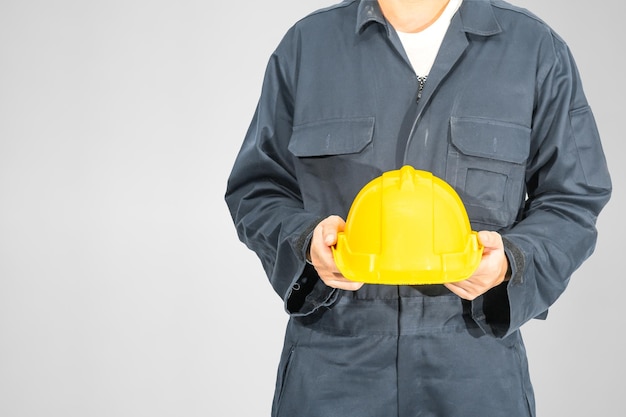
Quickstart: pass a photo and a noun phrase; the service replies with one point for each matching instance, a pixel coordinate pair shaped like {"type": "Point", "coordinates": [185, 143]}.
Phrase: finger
{"type": "Point", "coordinates": [346, 285]}
{"type": "Point", "coordinates": [462, 290]}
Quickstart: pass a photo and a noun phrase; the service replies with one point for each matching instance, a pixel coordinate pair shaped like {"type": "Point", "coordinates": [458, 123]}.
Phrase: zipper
{"type": "Point", "coordinates": [421, 81]}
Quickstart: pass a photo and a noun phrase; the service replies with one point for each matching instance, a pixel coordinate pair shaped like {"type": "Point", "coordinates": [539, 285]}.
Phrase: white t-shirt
{"type": "Point", "coordinates": [422, 47]}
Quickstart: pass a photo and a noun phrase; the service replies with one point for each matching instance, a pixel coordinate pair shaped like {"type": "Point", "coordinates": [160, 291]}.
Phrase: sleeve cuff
{"type": "Point", "coordinates": [309, 293]}
{"type": "Point", "coordinates": [516, 259]}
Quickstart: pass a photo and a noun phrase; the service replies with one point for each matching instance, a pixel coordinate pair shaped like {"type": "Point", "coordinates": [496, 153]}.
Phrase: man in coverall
{"type": "Point", "coordinates": [499, 113]}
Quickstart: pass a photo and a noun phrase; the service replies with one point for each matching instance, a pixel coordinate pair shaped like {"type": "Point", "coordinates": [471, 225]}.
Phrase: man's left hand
{"type": "Point", "coordinates": [491, 271]}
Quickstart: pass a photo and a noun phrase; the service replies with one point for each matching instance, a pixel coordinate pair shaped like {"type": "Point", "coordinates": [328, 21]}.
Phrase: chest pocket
{"type": "Point", "coordinates": [333, 160]}
{"type": "Point", "coordinates": [332, 137]}
{"type": "Point", "coordinates": [486, 165]}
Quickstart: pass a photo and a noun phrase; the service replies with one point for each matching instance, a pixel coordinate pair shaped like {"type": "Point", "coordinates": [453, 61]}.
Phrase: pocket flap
{"type": "Point", "coordinates": [491, 139]}
{"type": "Point", "coordinates": [332, 137]}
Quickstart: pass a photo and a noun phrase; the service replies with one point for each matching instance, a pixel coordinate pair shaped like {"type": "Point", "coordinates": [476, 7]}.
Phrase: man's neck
{"type": "Point", "coordinates": [412, 15]}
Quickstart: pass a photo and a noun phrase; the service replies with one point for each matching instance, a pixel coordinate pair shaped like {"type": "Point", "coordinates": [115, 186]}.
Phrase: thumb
{"type": "Point", "coordinates": [490, 240]}
{"type": "Point", "coordinates": [332, 226]}
{"type": "Point", "coordinates": [330, 239]}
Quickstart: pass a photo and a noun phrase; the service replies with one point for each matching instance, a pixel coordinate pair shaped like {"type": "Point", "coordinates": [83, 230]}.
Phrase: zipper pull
{"type": "Point", "coordinates": [420, 81]}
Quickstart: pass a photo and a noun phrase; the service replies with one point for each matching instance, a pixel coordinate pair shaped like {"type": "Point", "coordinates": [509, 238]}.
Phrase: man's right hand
{"type": "Point", "coordinates": [321, 255]}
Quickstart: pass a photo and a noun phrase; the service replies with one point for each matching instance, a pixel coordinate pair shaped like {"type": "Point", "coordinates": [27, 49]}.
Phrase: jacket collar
{"type": "Point", "coordinates": [477, 17]}
{"type": "Point", "coordinates": [369, 11]}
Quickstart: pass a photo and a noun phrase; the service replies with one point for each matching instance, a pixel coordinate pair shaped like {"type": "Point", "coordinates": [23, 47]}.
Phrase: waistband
{"type": "Point", "coordinates": [392, 311]}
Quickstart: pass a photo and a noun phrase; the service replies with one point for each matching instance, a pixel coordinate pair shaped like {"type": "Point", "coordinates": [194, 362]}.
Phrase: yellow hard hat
{"type": "Point", "coordinates": [407, 227]}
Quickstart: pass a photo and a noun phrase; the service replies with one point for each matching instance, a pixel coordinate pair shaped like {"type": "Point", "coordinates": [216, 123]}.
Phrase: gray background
{"type": "Point", "coordinates": [123, 288]}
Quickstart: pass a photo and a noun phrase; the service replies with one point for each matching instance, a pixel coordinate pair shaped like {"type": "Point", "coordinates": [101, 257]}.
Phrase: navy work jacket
{"type": "Point", "coordinates": [502, 118]}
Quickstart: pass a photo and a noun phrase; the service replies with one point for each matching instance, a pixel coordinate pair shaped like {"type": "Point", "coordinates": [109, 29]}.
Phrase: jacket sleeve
{"type": "Point", "coordinates": [263, 194]}
{"type": "Point", "coordinates": [567, 184]}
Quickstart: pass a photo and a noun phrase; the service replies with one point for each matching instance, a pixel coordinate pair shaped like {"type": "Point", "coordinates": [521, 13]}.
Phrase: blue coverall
{"type": "Point", "coordinates": [502, 118]}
